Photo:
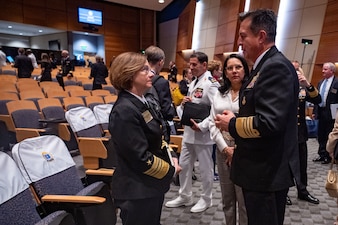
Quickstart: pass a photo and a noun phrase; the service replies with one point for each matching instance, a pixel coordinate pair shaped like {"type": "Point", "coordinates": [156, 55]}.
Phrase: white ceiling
{"type": "Point", "coordinates": [32, 30]}
{"type": "Point", "coordinates": [144, 4]}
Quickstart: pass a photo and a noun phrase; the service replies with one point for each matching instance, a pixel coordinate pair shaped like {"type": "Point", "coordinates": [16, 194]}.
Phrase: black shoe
{"type": "Point", "coordinates": [318, 159]}
{"type": "Point", "coordinates": [288, 200]}
{"type": "Point", "coordinates": [326, 160]}
{"type": "Point", "coordinates": [309, 198]}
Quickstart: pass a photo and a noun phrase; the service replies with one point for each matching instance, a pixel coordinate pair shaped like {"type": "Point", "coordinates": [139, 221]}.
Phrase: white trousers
{"type": "Point", "coordinates": [189, 154]}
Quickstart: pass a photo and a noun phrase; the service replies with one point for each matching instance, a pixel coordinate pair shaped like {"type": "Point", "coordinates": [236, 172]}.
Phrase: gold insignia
{"type": "Point", "coordinates": [253, 81]}
{"type": "Point", "coordinates": [198, 93]}
{"type": "Point", "coordinates": [159, 168]}
{"type": "Point", "coordinates": [244, 127]}
{"type": "Point", "coordinates": [149, 162]}
{"type": "Point", "coordinates": [147, 116]}
{"type": "Point", "coordinates": [314, 93]}
{"type": "Point", "coordinates": [334, 91]}
{"type": "Point", "coordinates": [243, 101]}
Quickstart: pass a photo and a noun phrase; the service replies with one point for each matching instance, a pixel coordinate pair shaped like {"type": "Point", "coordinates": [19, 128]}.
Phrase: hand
{"type": "Point", "coordinates": [178, 168]}
{"type": "Point", "coordinates": [229, 152]}
{"type": "Point", "coordinates": [302, 80]}
{"type": "Point", "coordinates": [186, 99]}
{"type": "Point", "coordinates": [194, 125]}
{"type": "Point", "coordinates": [222, 120]}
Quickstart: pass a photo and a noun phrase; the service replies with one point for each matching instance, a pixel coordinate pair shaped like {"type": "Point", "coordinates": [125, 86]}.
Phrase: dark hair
{"type": "Point", "coordinates": [202, 57]}
{"type": "Point", "coordinates": [262, 19]}
{"type": "Point", "coordinates": [227, 84]}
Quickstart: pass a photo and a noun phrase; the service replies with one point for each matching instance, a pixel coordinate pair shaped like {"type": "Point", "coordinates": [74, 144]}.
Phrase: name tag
{"type": "Point", "coordinates": [147, 116]}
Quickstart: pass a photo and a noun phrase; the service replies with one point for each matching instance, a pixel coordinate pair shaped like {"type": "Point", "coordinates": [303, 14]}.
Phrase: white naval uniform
{"type": "Point", "coordinates": [198, 144]}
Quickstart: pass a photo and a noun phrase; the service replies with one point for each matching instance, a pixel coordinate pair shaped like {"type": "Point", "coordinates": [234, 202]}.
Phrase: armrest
{"type": "Point", "coordinates": [173, 146]}
{"type": "Point", "coordinates": [23, 133]}
{"type": "Point", "coordinates": [9, 122]}
{"type": "Point", "coordinates": [64, 132]}
{"type": "Point", "coordinates": [92, 149]}
{"type": "Point", "coordinates": [73, 199]}
{"type": "Point", "coordinates": [53, 120]}
{"type": "Point", "coordinates": [100, 172]}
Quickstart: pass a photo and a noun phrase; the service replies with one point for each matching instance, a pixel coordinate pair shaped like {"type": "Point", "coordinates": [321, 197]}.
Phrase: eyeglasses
{"type": "Point", "coordinates": [231, 68]}
{"type": "Point", "coordinates": [145, 69]}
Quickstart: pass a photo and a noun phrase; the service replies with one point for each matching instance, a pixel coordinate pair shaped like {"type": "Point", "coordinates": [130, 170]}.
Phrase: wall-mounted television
{"type": "Point", "coordinates": [90, 16]}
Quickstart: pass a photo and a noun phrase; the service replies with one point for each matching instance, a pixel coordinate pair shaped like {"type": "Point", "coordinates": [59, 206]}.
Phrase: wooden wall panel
{"type": "Point", "coordinates": [11, 12]}
{"type": "Point", "coordinates": [328, 48]}
{"type": "Point", "coordinates": [184, 36]}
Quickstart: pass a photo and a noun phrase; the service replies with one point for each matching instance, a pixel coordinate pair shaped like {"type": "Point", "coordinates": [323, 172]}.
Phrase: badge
{"type": "Point", "coordinates": [147, 116]}
{"type": "Point", "coordinates": [253, 81]}
{"type": "Point", "coordinates": [243, 101]}
{"type": "Point", "coordinates": [334, 91]}
{"type": "Point", "coordinates": [47, 156]}
{"type": "Point", "coordinates": [198, 93]}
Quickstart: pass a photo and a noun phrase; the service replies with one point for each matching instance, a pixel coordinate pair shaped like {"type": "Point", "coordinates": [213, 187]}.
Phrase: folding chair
{"type": "Point", "coordinates": [7, 86]}
{"type": "Point", "coordinates": [54, 115]}
{"type": "Point", "coordinates": [92, 101]}
{"type": "Point", "coordinates": [102, 113]}
{"type": "Point", "coordinates": [56, 93]}
{"type": "Point", "coordinates": [33, 95]}
{"type": "Point", "coordinates": [17, 205]}
{"type": "Point", "coordinates": [110, 99]}
{"type": "Point", "coordinates": [47, 165]}
{"type": "Point", "coordinates": [92, 145]}
{"type": "Point", "coordinates": [100, 92]}
{"type": "Point", "coordinates": [72, 102]}
{"type": "Point", "coordinates": [25, 117]}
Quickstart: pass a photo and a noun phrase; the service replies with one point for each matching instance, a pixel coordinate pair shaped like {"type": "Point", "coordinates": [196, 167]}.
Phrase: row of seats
{"type": "Point", "coordinates": [41, 177]}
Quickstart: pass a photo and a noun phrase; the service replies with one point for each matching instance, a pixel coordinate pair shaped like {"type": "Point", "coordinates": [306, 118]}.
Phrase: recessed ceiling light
{"type": "Point", "coordinates": [10, 27]}
{"type": "Point", "coordinates": [20, 33]}
{"type": "Point", "coordinates": [40, 31]}
{"type": "Point", "coordinates": [161, 1]}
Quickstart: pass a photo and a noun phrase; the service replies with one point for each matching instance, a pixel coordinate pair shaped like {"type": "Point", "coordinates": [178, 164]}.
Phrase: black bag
{"type": "Point", "coordinates": [197, 112]}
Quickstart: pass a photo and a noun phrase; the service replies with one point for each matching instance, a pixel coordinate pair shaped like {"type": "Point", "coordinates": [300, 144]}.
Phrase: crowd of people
{"type": "Point", "coordinates": [255, 133]}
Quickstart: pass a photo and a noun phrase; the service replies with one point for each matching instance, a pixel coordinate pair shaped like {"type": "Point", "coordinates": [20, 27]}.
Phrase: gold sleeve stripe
{"type": "Point", "coordinates": [313, 93]}
{"type": "Point", "coordinates": [244, 127]}
{"type": "Point", "coordinates": [158, 169]}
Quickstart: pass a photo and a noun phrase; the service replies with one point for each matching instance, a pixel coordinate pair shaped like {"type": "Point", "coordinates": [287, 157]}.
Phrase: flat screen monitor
{"type": "Point", "coordinates": [10, 59]}
{"type": "Point", "coordinates": [90, 16]}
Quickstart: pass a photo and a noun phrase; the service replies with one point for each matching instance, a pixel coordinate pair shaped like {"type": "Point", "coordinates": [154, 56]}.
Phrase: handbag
{"type": "Point", "coordinates": [197, 112]}
{"type": "Point", "coordinates": [331, 185]}
{"type": "Point", "coordinates": [177, 96]}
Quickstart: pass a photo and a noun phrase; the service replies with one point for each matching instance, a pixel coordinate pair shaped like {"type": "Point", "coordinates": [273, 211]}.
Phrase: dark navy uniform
{"type": "Point", "coordinates": [265, 133]}
{"type": "Point", "coordinates": [309, 94]}
{"type": "Point", "coordinates": [143, 172]}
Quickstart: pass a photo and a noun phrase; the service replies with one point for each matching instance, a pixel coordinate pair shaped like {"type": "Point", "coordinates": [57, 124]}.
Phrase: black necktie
{"type": "Point", "coordinates": [196, 82]}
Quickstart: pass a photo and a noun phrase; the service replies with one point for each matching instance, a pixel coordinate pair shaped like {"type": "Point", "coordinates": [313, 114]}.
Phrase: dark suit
{"type": "Point", "coordinates": [142, 175]}
{"type": "Point", "coordinates": [99, 71]}
{"type": "Point", "coordinates": [323, 114]}
{"type": "Point", "coordinates": [305, 95]}
{"type": "Point", "coordinates": [24, 65]}
{"type": "Point", "coordinates": [265, 133]}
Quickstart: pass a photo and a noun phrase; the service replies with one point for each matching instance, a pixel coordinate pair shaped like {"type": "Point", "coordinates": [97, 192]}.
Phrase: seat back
{"type": "Point", "coordinates": [92, 101]}
{"type": "Point", "coordinates": [102, 113]}
{"type": "Point", "coordinates": [17, 205]}
{"type": "Point", "coordinates": [46, 164]}
{"type": "Point", "coordinates": [83, 122]}
{"type": "Point", "coordinates": [110, 99]}
{"type": "Point", "coordinates": [24, 114]}
{"type": "Point", "coordinates": [72, 102]}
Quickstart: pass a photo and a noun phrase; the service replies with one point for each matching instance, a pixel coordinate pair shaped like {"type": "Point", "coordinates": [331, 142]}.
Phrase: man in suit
{"type": "Point", "coordinates": [99, 71]}
{"type": "Point", "coordinates": [161, 88]}
{"type": "Point", "coordinates": [197, 143]}
{"type": "Point", "coordinates": [265, 129]}
{"type": "Point", "coordinates": [24, 64]}
{"type": "Point", "coordinates": [328, 89]}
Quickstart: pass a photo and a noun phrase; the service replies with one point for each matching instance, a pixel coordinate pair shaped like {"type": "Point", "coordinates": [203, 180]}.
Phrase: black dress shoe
{"type": "Point", "coordinates": [288, 200]}
{"type": "Point", "coordinates": [326, 160]}
{"type": "Point", "coordinates": [318, 159]}
{"type": "Point", "coordinates": [309, 198]}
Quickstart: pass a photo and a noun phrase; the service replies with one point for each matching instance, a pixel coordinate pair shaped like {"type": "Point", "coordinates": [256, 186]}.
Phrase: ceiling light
{"type": "Point", "coordinates": [20, 33]}
{"type": "Point", "coordinates": [161, 1]}
{"type": "Point", "coordinates": [40, 31]}
{"type": "Point", "coordinates": [10, 27]}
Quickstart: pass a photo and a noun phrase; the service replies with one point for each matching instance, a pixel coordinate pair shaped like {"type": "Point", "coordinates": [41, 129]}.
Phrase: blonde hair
{"type": "Point", "coordinates": [123, 69]}
{"type": "Point", "coordinates": [214, 65]}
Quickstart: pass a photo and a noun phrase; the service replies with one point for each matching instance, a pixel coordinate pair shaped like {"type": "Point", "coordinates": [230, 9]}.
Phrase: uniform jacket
{"type": "Point", "coordinates": [24, 65]}
{"type": "Point", "coordinates": [142, 170]}
{"type": "Point", "coordinates": [99, 71]}
{"type": "Point", "coordinates": [67, 65]}
{"type": "Point", "coordinates": [203, 92]}
{"type": "Point", "coordinates": [162, 88]}
{"type": "Point", "coordinates": [265, 129]}
{"type": "Point", "coordinates": [305, 95]}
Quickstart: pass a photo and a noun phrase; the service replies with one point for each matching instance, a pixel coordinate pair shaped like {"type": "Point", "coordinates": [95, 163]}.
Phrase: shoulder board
{"type": "Point", "coordinates": [213, 80]}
